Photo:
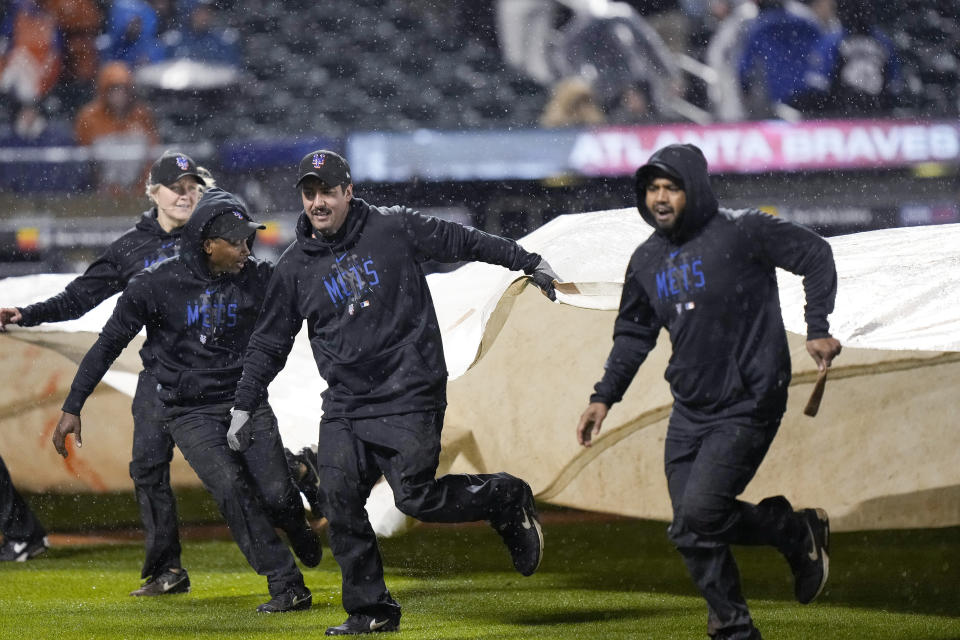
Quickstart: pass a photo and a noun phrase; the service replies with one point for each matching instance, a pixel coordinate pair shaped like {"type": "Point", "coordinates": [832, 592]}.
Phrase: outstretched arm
{"type": "Point", "coordinates": [446, 241]}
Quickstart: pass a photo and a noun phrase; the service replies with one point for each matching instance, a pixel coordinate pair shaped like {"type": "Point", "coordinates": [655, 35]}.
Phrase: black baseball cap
{"type": "Point", "coordinates": [232, 225]}
{"type": "Point", "coordinates": [327, 166]}
{"type": "Point", "coordinates": [172, 166]}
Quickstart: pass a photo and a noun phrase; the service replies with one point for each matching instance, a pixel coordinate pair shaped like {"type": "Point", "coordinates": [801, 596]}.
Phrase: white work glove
{"type": "Point", "coordinates": [241, 431]}
{"type": "Point", "coordinates": [544, 276]}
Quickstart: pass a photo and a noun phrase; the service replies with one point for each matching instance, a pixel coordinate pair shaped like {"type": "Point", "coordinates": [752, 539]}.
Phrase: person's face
{"type": "Point", "coordinates": [175, 203]}
{"type": "Point", "coordinates": [325, 206]}
{"type": "Point", "coordinates": [226, 256]}
{"type": "Point", "coordinates": [665, 200]}
{"type": "Point", "coordinates": [119, 97]}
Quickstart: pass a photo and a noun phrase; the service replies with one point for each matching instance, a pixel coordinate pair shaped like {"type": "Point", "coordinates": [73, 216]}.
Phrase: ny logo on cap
{"type": "Point", "coordinates": [319, 159]}
{"type": "Point", "coordinates": [182, 163]}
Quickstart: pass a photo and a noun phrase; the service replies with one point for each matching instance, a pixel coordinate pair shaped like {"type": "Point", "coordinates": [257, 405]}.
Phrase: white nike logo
{"type": "Point", "coordinates": [526, 520]}
{"type": "Point", "coordinates": [166, 586]}
{"type": "Point", "coordinates": [297, 600]}
{"type": "Point", "coordinates": [813, 553]}
{"type": "Point", "coordinates": [377, 624]}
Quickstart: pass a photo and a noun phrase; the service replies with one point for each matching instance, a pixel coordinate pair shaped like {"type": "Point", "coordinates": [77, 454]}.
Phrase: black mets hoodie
{"type": "Point", "coordinates": [145, 244]}
{"type": "Point", "coordinates": [197, 324]}
{"type": "Point", "coordinates": [711, 281]}
{"type": "Point", "coordinates": [370, 317]}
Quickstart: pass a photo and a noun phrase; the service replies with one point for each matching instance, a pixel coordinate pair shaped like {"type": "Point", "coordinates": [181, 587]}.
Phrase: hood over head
{"type": "Point", "coordinates": [685, 164]}
{"type": "Point", "coordinates": [214, 202]}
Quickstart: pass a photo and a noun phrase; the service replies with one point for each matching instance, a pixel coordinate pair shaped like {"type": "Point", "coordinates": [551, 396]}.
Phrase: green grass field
{"type": "Point", "coordinates": [606, 579]}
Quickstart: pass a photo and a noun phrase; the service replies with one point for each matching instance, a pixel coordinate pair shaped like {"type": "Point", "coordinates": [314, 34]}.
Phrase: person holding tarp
{"type": "Point", "coordinates": [199, 309]}
{"type": "Point", "coordinates": [708, 275]}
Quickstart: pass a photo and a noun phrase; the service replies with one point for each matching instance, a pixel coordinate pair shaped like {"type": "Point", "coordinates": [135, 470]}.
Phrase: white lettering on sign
{"type": "Point", "coordinates": [772, 146]}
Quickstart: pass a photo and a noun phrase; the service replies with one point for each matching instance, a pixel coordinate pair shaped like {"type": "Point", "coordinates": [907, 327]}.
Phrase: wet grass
{"type": "Point", "coordinates": [613, 579]}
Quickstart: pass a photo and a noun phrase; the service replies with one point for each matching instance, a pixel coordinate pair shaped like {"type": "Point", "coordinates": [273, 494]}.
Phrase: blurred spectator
{"type": "Point", "coordinates": [203, 38]}
{"type": "Point", "coordinates": [633, 106]}
{"type": "Point", "coordinates": [131, 34]}
{"type": "Point", "coordinates": [776, 56]}
{"type": "Point", "coordinates": [119, 128]}
{"type": "Point", "coordinates": [856, 70]}
{"type": "Point", "coordinates": [609, 45]}
{"type": "Point", "coordinates": [80, 24]}
{"type": "Point", "coordinates": [30, 51]}
{"type": "Point", "coordinates": [572, 104]}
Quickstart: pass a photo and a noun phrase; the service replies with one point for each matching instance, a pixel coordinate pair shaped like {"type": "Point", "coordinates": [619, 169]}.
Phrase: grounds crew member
{"type": "Point", "coordinates": [199, 309]}
{"type": "Point", "coordinates": [355, 275]}
{"type": "Point", "coordinates": [174, 186]}
{"type": "Point", "coordinates": [708, 275]}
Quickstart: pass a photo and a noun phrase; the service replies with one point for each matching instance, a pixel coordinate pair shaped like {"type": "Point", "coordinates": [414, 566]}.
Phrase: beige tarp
{"type": "Point", "coordinates": [881, 453]}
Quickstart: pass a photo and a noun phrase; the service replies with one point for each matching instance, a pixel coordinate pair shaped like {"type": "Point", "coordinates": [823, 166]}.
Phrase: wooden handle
{"type": "Point", "coordinates": [813, 404]}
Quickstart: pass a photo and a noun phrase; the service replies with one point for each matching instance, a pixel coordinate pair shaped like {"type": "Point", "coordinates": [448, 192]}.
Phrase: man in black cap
{"type": "Point", "coordinates": [355, 274]}
{"type": "Point", "coordinates": [199, 309]}
{"type": "Point", "coordinates": [174, 187]}
{"type": "Point", "coordinates": [708, 275]}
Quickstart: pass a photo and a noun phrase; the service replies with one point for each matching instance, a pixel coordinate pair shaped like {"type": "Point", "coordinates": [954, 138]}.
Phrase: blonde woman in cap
{"type": "Point", "coordinates": [174, 187]}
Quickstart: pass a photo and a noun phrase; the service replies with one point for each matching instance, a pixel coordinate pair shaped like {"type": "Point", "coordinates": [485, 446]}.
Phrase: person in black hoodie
{"type": "Point", "coordinates": [174, 186]}
{"type": "Point", "coordinates": [199, 309]}
{"type": "Point", "coordinates": [355, 275]}
{"type": "Point", "coordinates": [707, 274]}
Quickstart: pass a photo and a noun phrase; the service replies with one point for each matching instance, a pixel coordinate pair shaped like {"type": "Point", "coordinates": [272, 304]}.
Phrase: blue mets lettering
{"type": "Point", "coordinates": [212, 315]}
{"type": "Point", "coordinates": [333, 289]}
{"type": "Point", "coordinates": [370, 271]}
{"type": "Point", "coordinates": [677, 279]}
{"type": "Point", "coordinates": [351, 279]}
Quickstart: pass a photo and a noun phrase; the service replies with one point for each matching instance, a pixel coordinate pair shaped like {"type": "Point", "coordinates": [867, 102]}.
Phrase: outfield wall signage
{"type": "Point", "coordinates": [750, 147]}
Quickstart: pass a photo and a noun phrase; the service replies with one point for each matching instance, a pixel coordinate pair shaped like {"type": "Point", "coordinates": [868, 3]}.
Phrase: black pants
{"type": "Point", "coordinates": [253, 489]}
{"type": "Point", "coordinates": [353, 454]}
{"type": "Point", "coordinates": [17, 521]}
{"type": "Point", "coordinates": [707, 467]}
{"type": "Point", "coordinates": [150, 472]}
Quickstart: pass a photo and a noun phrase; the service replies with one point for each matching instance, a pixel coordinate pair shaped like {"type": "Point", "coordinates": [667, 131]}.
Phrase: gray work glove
{"type": "Point", "coordinates": [544, 276]}
{"type": "Point", "coordinates": [241, 431]}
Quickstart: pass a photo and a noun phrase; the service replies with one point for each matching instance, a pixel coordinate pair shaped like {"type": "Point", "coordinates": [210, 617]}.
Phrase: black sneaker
{"type": "Point", "coordinates": [811, 564]}
{"type": "Point", "coordinates": [303, 467]}
{"type": "Point", "coordinates": [521, 532]}
{"type": "Point", "coordinates": [306, 544]}
{"type": "Point", "coordinates": [22, 550]}
{"type": "Point", "coordinates": [359, 623]}
{"type": "Point", "coordinates": [293, 599]}
{"type": "Point", "coordinates": [166, 583]}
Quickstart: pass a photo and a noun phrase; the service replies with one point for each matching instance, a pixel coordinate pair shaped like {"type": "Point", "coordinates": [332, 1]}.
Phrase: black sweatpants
{"type": "Point", "coordinates": [707, 467]}
{"type": "Point", "coordinates": [17, 521]}
{"type": "Point", "coordinates": [150, 472]}
{"type": "Point", "coordinates": [253, 489]}
{"type": "Point", "coordinates": [351, 457]}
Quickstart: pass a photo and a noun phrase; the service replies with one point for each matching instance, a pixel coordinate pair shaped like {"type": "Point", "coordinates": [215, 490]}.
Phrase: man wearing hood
{"type": "Point", "coordinates": [708, 275]}
{"type": "Point", "coordinates": [199, 309]}
{"type": "Point", "coordinates": [355, 274]}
